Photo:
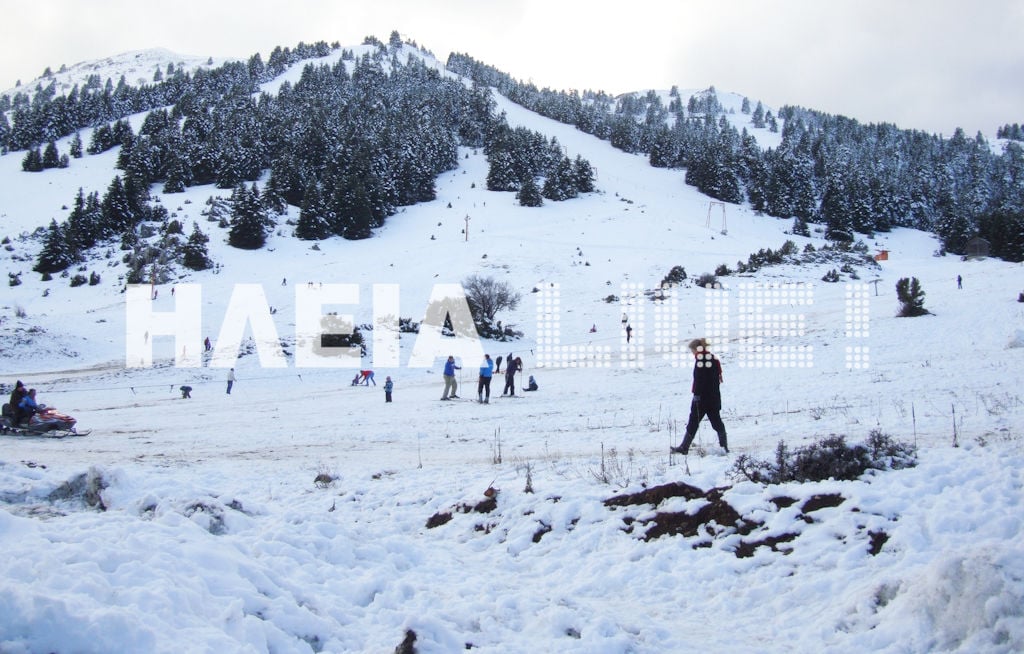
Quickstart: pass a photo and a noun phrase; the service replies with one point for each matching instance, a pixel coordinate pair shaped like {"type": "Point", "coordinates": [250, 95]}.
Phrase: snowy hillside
{"type": "Point", "coordinates": [138, 68]}
{"type": "Point", "coordinates": [300, 513]}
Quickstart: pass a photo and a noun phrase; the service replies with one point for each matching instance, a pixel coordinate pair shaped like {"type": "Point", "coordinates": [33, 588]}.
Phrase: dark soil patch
{"type": "Point", "coordinates": [656, 495]}
{"type": "Point", "coordinates": [825, 501]}
{"type": "Point", "coordinates": [438, 519]}
{"type": "Point", "coordinates": [746, 548]}
{"type": "Point", "coordinates": [484, 506]}
{"type": "Point", "coordinates": [878, 539]}
{"type": "Point", "coordinates": [783, 502]}
{"type": "Point", "coordinates": [712, 518]}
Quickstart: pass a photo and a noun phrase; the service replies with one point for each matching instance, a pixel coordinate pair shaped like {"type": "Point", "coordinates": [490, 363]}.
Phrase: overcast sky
{"type": "Point", "coordinates": [922, 64]}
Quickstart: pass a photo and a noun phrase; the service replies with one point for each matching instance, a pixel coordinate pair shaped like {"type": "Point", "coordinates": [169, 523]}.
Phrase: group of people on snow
{"type": "Point", "coordinates": [364, 377]}
{"type": "Point", "coordinates": [705, 388]}
{"type": "Point", "coordinates": [488, 368]}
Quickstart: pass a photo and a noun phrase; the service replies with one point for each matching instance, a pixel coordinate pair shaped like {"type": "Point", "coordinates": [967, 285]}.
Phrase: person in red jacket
{"type": "Point", "coordinates": [707, 397]}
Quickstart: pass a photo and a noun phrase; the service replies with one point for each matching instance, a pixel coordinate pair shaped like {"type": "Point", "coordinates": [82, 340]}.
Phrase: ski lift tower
{"type": "Point", "coordinates": [711, 204]}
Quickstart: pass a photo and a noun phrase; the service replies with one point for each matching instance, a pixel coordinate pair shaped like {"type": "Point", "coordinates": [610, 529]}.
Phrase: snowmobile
{"type": "Point", "coordinates": [46, 422]}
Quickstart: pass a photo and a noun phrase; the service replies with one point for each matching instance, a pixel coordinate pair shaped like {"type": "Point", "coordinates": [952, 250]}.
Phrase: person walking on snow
{"type": "Point", "coordinates": [450, 385]}
{"type": "Point", "coordinates": [483, 387]}
{"type": "Point", "coordinates": [231, 379]}
{"type": "Point", "coordinates": [707, 397]}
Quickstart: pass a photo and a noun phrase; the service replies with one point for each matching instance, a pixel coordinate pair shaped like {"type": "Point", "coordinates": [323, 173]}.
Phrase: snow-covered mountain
{"type": "Point", "coordinates": [137, 67]}
{"type": "Point", "coordinates": [300, 513]}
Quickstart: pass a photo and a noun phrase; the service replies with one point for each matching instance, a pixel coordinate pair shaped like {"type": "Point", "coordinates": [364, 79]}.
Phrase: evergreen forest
{"type": "Point", "coordinates": [853, 178]}
{"type": "Point", "coordinates": [350, 142]}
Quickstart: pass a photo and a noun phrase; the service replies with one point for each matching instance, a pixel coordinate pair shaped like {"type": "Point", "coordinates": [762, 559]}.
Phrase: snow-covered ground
{"type": "Point", "coordinates": [300, 513]}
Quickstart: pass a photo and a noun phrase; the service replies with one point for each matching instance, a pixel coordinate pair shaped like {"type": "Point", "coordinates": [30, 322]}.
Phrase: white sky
{"type": "Point", "coordinates": [922, 64]}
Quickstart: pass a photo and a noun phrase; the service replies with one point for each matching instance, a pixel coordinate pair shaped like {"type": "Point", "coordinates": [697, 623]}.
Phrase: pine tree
{"type": "Point", "coordinates": [911, 298]}
{"type": "Point", "coordinates": [33, 161]}
{"type": "Point", "coordinates": [353, 209]}
{"type": "Point", "coordinates": [250, 224]}
{"type": "Point", "coordinates": [51, 158]}
{"type": "Point", "coordinates": [83, 227]}
{"type": "Point", "coordinates": [835, 209]}
{"type": "Point", "coordinates": [118, 212]}
{"type": "Point", "coordinates": [583, 175]}
{"type": "Point", "coordinates": [176, 174]}
{"type": "Point", "coordinates": [57, 252]}
{"type": "Point", "coordinates": [315, 221]}
{"type": "Point", "coordinates": [501, 175]}
{"type": "Point", "coordinates": [529, 195]}
{"type": "Point", "coordinates": [560, 183]}
{"type": "Point", "coordinates": [757, 118]}
{"type": "Point", "coordinates": [195, 254]}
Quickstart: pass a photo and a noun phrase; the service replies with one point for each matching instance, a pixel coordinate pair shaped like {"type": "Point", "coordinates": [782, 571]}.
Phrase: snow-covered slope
{"type": "Point", "coordinates": [215, 536]}
{"type": "Point", "coordinates": [137, 67]}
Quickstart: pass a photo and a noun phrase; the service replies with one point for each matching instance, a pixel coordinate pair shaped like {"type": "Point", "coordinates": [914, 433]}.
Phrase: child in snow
{"type": "Point", "coordinates": [388, 387]}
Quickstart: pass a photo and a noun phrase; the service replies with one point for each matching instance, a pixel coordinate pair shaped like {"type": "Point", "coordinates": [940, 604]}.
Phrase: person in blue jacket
{"type": "Point", "coordinates": [483, 387]}
{"type": "Point", "coordinates": [450, 385]}
{"type": "Point", "coordinates": [27, 407]}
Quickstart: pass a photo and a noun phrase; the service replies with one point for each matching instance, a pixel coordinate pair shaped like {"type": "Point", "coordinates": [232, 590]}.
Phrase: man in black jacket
{"type": "Point", "coordinates": [707, 398]}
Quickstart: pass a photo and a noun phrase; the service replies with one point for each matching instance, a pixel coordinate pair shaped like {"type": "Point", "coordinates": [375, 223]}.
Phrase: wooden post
{"type": "Point", "coordinates": [467, 226]}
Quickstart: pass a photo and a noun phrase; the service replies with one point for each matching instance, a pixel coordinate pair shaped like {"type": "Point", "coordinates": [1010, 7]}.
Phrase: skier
{"type": "Point", "coordinates": [388, 387]}
{"type": "Point", "coordinates": [707, 397]}
{"type": "Point", "coordinates": [449, 378]}
{"type": "Point", "coordinates": [483, 387]}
